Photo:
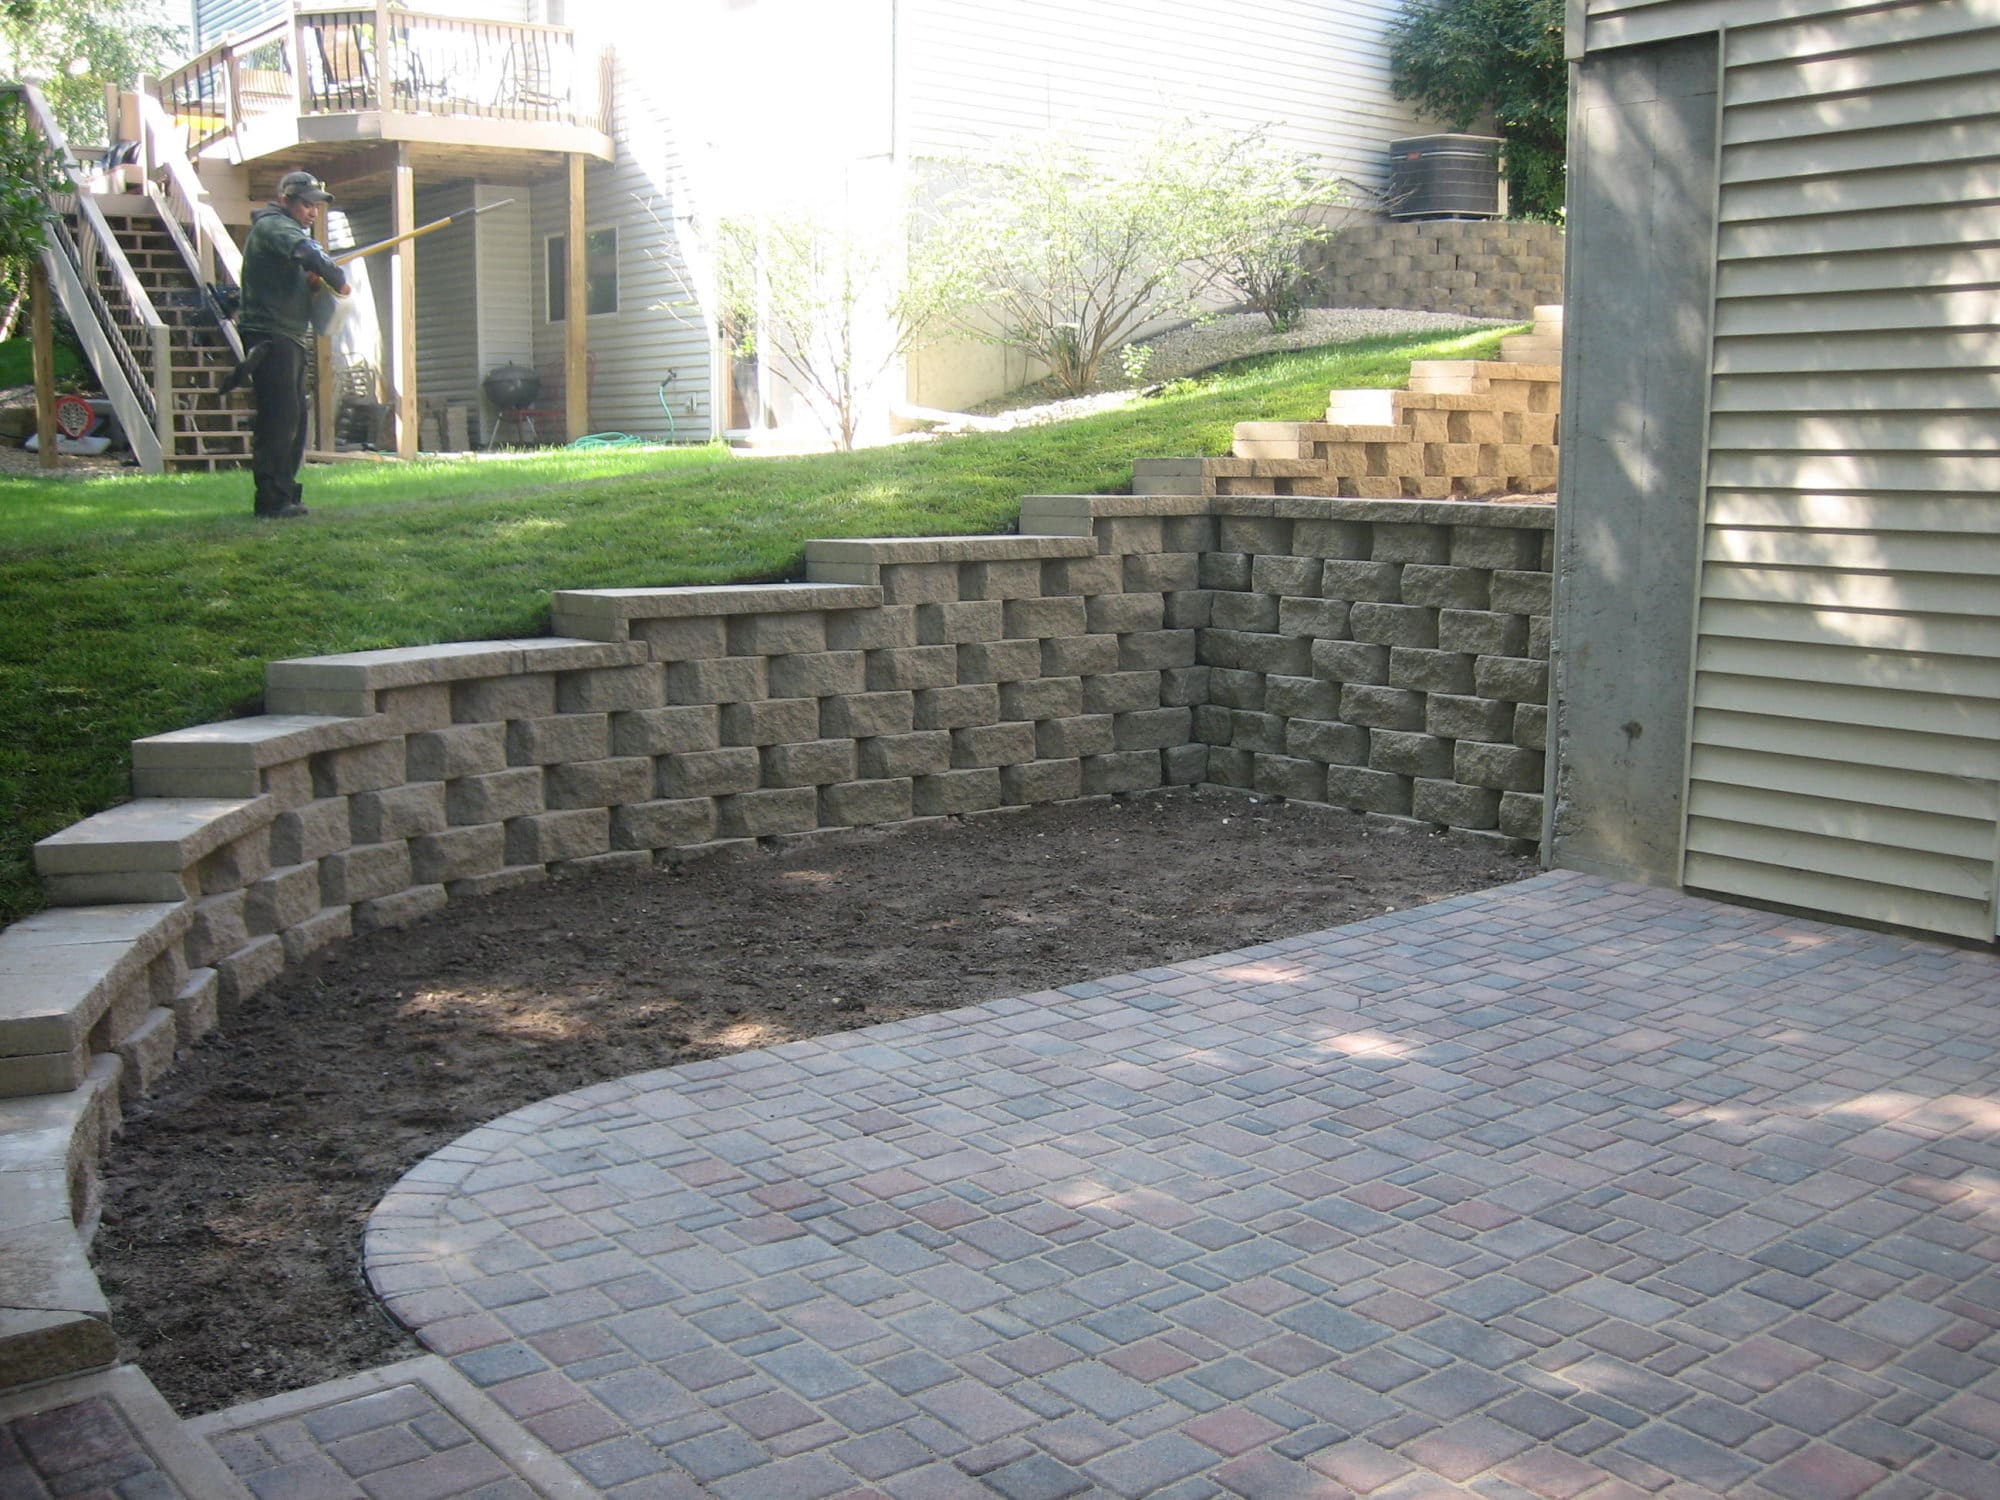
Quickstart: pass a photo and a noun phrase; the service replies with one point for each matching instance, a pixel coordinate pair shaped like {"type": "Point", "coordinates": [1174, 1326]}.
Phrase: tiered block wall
{"type": "Point", "coordinates": [1382, 655]}
{"type": "Point", "coordinates": [1487, 268]}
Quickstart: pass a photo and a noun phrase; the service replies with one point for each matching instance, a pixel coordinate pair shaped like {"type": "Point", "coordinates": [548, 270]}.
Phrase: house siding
{"type": "Point", "coordinates": [656, 330]}
{"type": "Point", "coordinates": [216, 19]}
{"type": "Point", "coordinates": [1599, 25]}
{"type": "Point", "coordinates": [505, 277]}
{"type": "Point", "coordinates": [974, 76]}
{"type": "Point", "coordinates": [1845, 736]}
{"type": "Point", "coordinates": [448, 365]}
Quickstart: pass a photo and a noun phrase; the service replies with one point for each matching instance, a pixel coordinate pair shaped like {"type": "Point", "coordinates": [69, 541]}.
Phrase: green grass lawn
{"type": "Point", "coordinates": [139, 604]}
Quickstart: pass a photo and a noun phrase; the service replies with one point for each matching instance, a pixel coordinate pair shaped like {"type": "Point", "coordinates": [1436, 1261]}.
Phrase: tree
{"type": "Point", "coordinates": [1465, 60]}
{"type": "Point", "coordinates": [75, 47]}
{"type": "Point", "coordinates": [820, 298]}
{"type": "Point", "coordinates": [1281, 205]}
{"type": "Point", "coordinates": [1067, 256]}
{"type": "Point", "coordinates": [28, 174]}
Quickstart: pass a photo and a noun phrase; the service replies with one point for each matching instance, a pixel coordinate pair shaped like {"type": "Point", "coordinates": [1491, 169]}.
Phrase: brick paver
{"type": "Point", "coordinates": [81, 1450]}
{"type": "Point", "coordinates": [1561, 1189]}
{"type": "Point", "coordinates": [396, 1444]}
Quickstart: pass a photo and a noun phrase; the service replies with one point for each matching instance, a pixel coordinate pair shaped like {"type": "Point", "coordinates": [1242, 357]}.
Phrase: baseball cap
{"type": "Point", "coordinates": [303, 185]}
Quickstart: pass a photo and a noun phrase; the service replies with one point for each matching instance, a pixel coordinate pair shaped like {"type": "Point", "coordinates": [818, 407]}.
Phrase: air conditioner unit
{"type": "Point", "coordinates": [1445, 177]}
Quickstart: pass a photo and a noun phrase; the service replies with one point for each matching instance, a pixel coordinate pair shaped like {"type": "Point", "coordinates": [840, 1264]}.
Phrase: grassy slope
{"type": "Point", "coordinates": [137, 605]}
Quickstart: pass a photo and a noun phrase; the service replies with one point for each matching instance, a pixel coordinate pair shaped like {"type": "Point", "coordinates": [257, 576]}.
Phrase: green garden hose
{"type": "Point", "coordinates": [630, 440]}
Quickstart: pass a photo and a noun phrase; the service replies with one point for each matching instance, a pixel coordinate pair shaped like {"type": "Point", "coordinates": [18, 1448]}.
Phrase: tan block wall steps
{"type": "Point", "coordinates": [1463, 429]}
{"type": "Point", "coordinates": [1387, 655]}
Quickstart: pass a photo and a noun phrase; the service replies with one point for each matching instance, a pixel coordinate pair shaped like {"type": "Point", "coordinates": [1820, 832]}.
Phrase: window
{"type": "Point", "coordinates": [600, 273]}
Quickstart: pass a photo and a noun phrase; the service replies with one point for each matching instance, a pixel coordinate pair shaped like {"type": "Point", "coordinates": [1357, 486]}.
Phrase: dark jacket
{"type": "Point", "coordinates": [276, 258]}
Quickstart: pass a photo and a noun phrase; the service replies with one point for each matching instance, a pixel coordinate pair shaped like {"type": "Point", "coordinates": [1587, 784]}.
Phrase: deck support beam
{"type": "Point", "coordinates": [403, 303]}
{"type": "Point", "coordinates": [576, 335]}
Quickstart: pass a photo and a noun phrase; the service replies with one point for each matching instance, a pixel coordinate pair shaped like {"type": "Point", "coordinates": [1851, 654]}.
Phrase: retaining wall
{"type": "Point", "coordinates": [1383, 655]}
{"type": "Point", "coordinates": [1483, 268]}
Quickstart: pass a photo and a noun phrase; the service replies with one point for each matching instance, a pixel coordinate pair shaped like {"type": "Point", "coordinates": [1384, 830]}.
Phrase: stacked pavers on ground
{"type": "Point", "coordinates": [1482, 268]}
{"type": "Point", "coordinates": [1381, 655]}
{"type": "Point", "coordinates": [1463, 429]}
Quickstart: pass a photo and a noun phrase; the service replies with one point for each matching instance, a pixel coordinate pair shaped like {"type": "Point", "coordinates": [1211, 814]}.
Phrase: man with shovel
{"type": "Point", "coordinates": [282, 266]}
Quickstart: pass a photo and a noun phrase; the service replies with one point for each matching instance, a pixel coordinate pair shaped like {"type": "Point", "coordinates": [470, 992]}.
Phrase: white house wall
{"type": "Point", "coordinates": [656, 330]}
{"type": "Point", "coordinates": [504, 275]}
{"type": "Point", "coordinates": [976, 74]}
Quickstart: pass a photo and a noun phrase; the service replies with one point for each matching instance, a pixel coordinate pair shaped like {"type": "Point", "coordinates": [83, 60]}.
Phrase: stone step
{"type": "Point", "coordinates": [384, 1432]}
{"type": "Point", "coordinates": [54, 1320]}
{"type": "Point", "coordinates": [139, 851]}
{"type": "Point", "coordinates": [607, 614]}
{"type": "Point", "coordinates": [346, 684]}
{"type": "Point", "coordinates": [229, 759]}
{"type": "Point", "coordinates": [124, 1426]}
{"type": "Point", "coordinates": [72, 983]}
{"type": "Point", "coordinates": [1532, 348]}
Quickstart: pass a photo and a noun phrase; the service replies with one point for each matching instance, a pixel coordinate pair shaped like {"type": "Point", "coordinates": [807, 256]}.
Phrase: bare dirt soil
{"type": "Point", "coordinates": [237, 1194]}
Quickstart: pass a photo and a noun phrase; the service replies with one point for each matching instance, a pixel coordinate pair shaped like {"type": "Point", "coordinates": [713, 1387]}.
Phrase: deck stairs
{"type": "Point", "coordinates": [128, 256]}
{"type": "Point", "coordinates": [209, 430]}
{"type": "Point", "coordinates": [1461, 429]}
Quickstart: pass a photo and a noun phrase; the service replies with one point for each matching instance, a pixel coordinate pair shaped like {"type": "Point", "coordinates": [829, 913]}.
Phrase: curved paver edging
{"type": "Point", "coordinates": [1385, 655]}
{"type": "Point", "coordinates": [1552, 1184]}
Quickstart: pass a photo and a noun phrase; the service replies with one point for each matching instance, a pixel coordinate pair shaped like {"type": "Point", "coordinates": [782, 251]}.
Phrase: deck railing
{"type": "Point", "coordinates": [348, 60]}
{"type": "Point", "coordinates": [124, 336]}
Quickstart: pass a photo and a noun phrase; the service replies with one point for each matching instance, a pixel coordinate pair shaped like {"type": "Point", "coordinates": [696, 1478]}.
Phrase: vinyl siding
{"type": "Point", "coordinates": [447, 297]}
{"type": "Point", "coordinates": [1845, 735]}
{"type": "Point", "coordinates": [655, 330]}
{"type": "Point", "coordinates": [1597, 25]}
{"type": "Point", "coordinates": [216, 19]}
{"type": "Point", "coordinates": [505, 278]}
{"type": "Point", "coordinates": [976, 75]}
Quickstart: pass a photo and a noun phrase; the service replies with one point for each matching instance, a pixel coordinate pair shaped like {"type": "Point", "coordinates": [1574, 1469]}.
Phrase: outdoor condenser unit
{"type": "Point", "coordinates": [1445, 177]}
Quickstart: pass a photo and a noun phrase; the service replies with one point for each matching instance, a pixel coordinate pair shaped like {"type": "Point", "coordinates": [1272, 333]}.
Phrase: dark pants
{"type": "Point", "coordinates": [278, 440]}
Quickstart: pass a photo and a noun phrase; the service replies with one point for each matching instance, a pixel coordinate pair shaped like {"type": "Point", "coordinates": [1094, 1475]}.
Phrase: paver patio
{"type": "Point", "coordinates": [1561, 1189]}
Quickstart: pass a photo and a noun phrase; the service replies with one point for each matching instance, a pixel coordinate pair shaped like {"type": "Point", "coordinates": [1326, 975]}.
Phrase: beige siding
{"type": "Point", "coordinates": [1845, 747]}
{"type": "Point", "coordinates": [447, 296]}
{"type": "Point", "coordinates": [976, 75]}
{"type": "Point", "coordinates": [1596, 25]}
{"type": "Point", "coordinates": [217, 19]}
{"type": "Point", "coordinates": [506, 279]}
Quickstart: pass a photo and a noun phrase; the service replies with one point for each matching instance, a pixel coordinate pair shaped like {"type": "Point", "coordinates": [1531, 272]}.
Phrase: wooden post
{"type": "Point", "coordinates": [387, 64]}
{"type": "Point", "coordinates": [45, 363]}
{"type": "Point", "coordinates": [576, 333]}
{"type": "Point", "coordinates": [403, 305]}
{"type": "Point", "coordinates": [325, 402]}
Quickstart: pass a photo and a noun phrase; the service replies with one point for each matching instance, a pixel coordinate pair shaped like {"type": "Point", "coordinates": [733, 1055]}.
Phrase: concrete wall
{"type": "Point", "coordinates": [1481, 268]}
{"type": "Point", "coordinates": [1641, 224]}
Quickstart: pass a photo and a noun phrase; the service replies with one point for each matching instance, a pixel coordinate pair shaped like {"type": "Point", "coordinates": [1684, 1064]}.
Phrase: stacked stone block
{"type": "Point", "coordinates": [1393, 660]}
{"type": "Point", "coordinates": [1462, 429]}
{"type": "Point", "coordinates": [1480, 268]}
{"type": "Point", "coordinates": [1382, 655]}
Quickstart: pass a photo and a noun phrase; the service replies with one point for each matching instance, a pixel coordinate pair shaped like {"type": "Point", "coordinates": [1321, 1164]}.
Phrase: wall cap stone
{"type": "Point", "coordinates": [154, 834]}
{"type": "Point", "coordinates": [254, 743]}
{"type": "Point", "coordinates": [61, 968]}
{"type": "Point", "coordinates": [455, 661]}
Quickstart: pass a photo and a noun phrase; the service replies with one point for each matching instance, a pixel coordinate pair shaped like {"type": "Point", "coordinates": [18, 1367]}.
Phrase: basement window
{"type": "Point", "coordinates": [600, 273]}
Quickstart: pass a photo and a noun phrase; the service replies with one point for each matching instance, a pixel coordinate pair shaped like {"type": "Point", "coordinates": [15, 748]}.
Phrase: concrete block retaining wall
{"type": "Point", "coordinates": [1484, 268]}
{"type": "Point", "coordinates": [1383, 655]}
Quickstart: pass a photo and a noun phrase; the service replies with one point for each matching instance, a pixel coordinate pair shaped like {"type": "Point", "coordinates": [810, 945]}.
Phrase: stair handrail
{"type": "Point", "coordinates": [191, 222]}
{"type": "Point", "coordinates": [141, 397]}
